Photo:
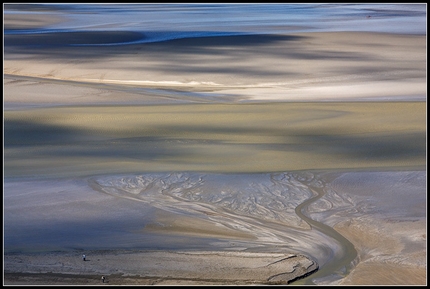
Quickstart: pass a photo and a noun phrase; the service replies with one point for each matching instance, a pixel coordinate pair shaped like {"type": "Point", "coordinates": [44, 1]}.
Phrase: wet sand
{"type": "Point", "coordinates": [199, 147]}
{"type": "Point", "coordinates": [142, 229]}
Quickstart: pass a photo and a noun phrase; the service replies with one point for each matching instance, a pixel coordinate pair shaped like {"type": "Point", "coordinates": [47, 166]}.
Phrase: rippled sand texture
{"type": "Point", "coordinates": [106, 216]}
{"type": "Point", "coordinates": [197, 212]}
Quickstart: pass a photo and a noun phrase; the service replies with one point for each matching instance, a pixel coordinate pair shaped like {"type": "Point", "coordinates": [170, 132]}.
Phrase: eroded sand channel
{"type": "Point", "coordinates": [194, 212]}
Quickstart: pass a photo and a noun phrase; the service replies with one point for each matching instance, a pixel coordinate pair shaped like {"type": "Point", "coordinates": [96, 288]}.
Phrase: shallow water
{"type": "Point", "coordinates": [161, 22]}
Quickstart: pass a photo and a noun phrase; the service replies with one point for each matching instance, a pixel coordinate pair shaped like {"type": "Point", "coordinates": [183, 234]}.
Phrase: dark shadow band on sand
{"type": "Point", "coordinates": [72, 38]}
{"type": "Point", "coordinates": [180, 39]}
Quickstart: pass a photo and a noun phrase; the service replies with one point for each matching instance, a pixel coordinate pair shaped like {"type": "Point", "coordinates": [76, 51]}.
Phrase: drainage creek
{"type": "Point", "coordinates": [341, 263]}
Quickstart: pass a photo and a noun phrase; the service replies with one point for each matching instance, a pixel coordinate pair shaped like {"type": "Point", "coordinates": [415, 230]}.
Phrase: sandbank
{"type": "Point", "coordinates": [199, 150]}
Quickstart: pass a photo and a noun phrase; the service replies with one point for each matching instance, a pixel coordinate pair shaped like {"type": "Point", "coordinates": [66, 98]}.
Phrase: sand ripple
{"type": "Point", "coordinates": [262, 205]}
{"type": "Point", "coordinates": [269, 197]}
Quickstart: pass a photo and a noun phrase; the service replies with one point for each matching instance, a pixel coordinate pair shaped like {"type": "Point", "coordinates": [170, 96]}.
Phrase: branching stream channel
{"type": "Point", "coordinates": [272, 207]}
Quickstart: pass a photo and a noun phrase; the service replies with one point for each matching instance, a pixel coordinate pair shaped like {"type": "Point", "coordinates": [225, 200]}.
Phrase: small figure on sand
{"type": "Point", "coordinates": [84, 257]}
{"type": "Point", "coordinates": [103, 279]}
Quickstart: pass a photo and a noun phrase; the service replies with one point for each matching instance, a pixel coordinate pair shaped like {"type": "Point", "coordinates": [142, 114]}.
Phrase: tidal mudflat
{"type": "Point", "coordinates": [294, 157]}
